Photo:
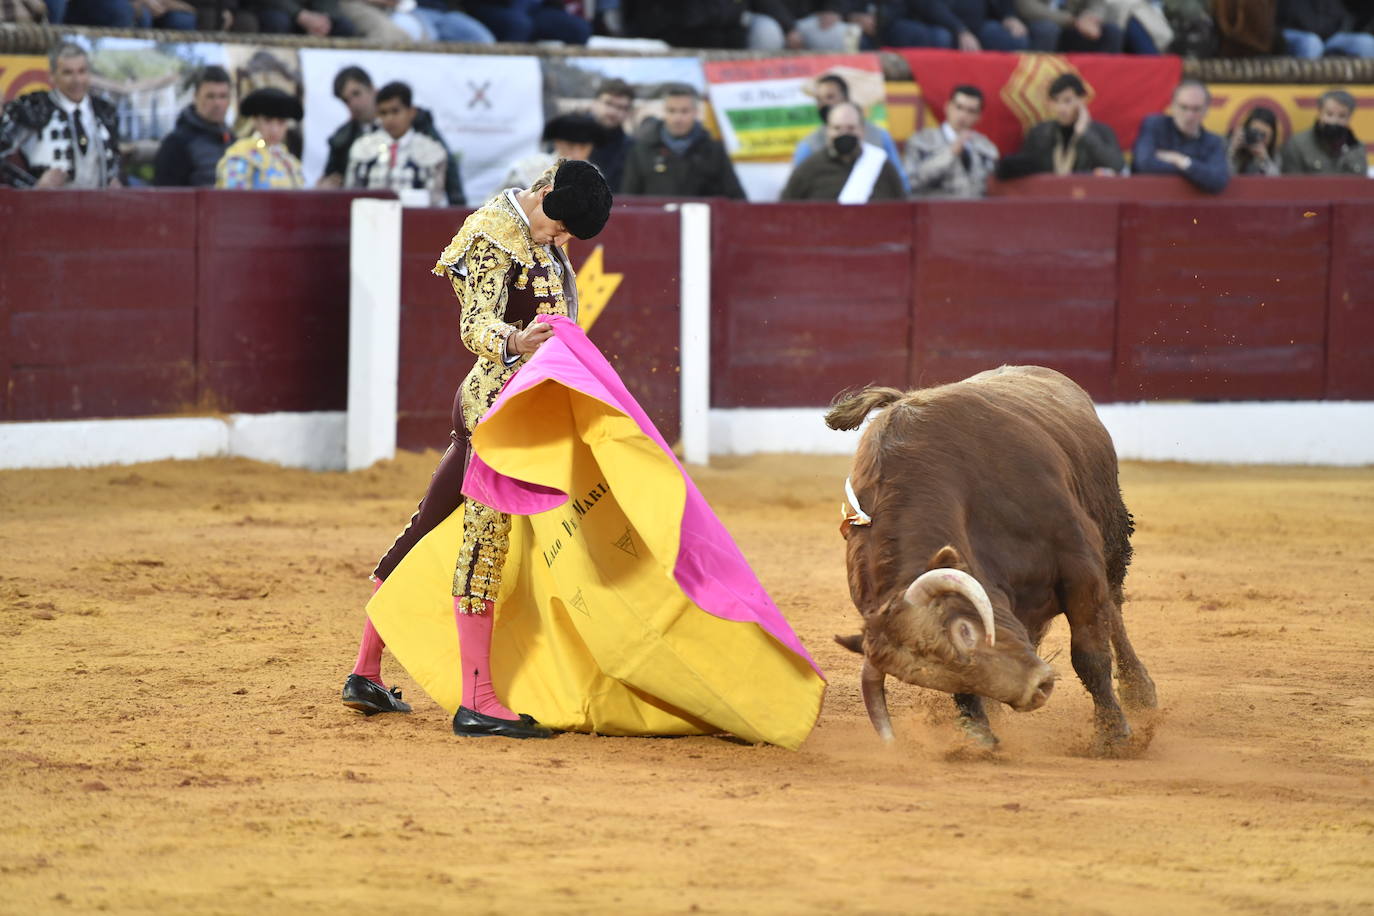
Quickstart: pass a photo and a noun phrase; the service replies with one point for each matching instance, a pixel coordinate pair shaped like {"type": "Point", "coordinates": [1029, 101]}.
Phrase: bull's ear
{"type": "Point", "coordinates": [947, 558]}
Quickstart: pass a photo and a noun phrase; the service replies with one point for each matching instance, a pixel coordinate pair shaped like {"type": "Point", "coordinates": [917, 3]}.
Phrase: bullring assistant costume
{"type": "Point", "coordinates": [253, 164]}
{"type": "Point", "coordinates": [620, 604]}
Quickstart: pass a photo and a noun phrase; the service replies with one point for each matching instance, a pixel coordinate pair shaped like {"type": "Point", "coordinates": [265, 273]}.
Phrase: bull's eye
{"type": "Point", "coordinates": [964, 635]}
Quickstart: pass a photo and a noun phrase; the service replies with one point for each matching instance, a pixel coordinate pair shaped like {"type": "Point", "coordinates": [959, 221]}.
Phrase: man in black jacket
{"type": "Point", "coordinates": [676, 157]}
{"type": "Point", "coordinates": [614, 102]}
{"type": "Point", "coordinates": [969, 25]}
{"type": "Point", "coordinates": [1069, 142]}
{"type": "Point", "coordinates": [353, 87]}
{"type": "Point", "coordinates": [188, 155]}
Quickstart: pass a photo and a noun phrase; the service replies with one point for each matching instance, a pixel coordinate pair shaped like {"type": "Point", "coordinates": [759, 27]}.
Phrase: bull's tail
{"type": "Point", "coordinates": [850, 408]}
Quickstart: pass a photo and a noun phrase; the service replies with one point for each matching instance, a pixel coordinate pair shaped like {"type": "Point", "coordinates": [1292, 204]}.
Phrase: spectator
{"type": "Point", "coordinates": [611, 109]}
{"type": "Point", "coordinates": [177, 15]}
{"type": "Point", "coordinates": [398, 22]}
{"type": "Point", "coordinates": [1070, 25]}
{"type": "Point", "coordinates": [1330, 147]}
{"type": "Point", "coordinates": [969, 25]}
{"type": "Point", "coordinates": [952, 160]}
{"type": "Point", "coordinates": [831, 89]}
{"type": "Point", "coordinates": [353, 87]}
{"type": "Point", "coordinates": [848, 170]}
{"type": "Point", "coordinates": [568, 138]}
{"type": "Point", "coordinates": [695, 24]}
{"type": "Point", "coordinates": [676, 157]}
{"type": "Point", "coordinates": [397, 157]}
{"type": "Point", "coordinates": [317, 18]}
{"type": "Point", "coordinates": [1144, 27]}
{"type": "Point", "coordinates": [1312, 28]}
{"type": "Point", "coordinates": [1071, 141]}
{"type": "Point", "coordinates": [1177, 143]}
{"type": "Point", "coordinates": [187, 157]}
{"type": "Point", "coordinates": [261, 160]}
{"type": "Point", "coordinates": [814, 25]}
{"type": "Point", "coordinates": [64, 137]}
{"type": "Point", "coordinates": [225, 16]}
{"type": "Point", "coordinates": [1252, 147]}
{"type": "Point", "coordinates": [836, 26]}
{"type": "Point", "coordinates": [524, 21]}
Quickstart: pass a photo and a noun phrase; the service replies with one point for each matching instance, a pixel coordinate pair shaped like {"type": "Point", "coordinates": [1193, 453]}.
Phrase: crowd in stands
{"type": "Point", "coordinates": [1297, 28]}
{"type": "Point", "coordinates": [67, 137]}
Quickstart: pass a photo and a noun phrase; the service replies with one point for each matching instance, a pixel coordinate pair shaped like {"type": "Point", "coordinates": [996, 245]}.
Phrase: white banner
{"type": "Point", "coordinates": [487, 107]}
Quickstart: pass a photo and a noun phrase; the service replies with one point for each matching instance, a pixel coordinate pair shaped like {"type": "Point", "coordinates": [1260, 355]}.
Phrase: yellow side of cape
{"type": "Point", "coordinates": [592, 632]}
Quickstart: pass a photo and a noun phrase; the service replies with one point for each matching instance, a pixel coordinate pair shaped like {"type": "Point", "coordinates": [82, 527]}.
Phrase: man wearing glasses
{"type": "Point", "coordinates": [1176, 143]}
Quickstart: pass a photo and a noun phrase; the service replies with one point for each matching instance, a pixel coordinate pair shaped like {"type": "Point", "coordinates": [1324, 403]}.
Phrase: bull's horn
{"type": "Point", "coordinates": [875, 699]}
{"type": "Point", "coordinates": [937, 581]}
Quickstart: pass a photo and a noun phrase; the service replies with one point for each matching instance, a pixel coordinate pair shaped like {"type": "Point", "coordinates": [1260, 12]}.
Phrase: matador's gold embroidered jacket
{"type": "Point", "coordinates": [502, 280]}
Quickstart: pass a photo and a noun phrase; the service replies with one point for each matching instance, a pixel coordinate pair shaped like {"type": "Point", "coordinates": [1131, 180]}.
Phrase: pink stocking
{"type": "Point", "coordinates": [474, 647]}
{"type": "Point", "coordinates": [369, 663]}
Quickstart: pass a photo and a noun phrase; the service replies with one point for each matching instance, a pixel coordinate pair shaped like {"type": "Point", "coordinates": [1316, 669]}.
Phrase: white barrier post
{"type": "Point", "coordinates": [694, 286]}
{"type": "Point", "coordinates": [374, 328]}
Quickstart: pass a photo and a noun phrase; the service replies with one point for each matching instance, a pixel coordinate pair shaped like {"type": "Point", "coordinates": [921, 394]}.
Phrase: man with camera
{"type": "Point", "coordinates": [1330, 147]}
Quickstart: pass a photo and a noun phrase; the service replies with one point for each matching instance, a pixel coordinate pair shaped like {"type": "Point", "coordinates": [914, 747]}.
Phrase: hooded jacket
{"type": "Point", "coordinates": [188, 155]}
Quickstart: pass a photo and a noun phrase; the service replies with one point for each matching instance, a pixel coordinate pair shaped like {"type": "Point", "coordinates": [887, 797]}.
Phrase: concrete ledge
{"type": "Point", "coordinates": [1332, 433]}
{"type": "Point", "coordinates": [306, 440]}
{"type": "Point", "coordinates": [1335, 433]}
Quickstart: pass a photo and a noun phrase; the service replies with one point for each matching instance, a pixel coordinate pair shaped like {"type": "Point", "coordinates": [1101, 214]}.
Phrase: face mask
{"type": "Point", "coordinates": [824, 112]}
{"type": "Point", "coordinates": [846, 144]}
{"type": "Point", "coordinates": [1333, 133]}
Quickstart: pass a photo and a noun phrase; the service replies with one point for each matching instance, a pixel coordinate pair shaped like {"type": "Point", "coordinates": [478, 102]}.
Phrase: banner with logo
{"type": "Point", "coordinates": [1122, 89]}
{"type": "Point", "coordinates": [487, 107]}
{"type": "Point", "coordinates": [766, 107]}
{"type": "Point", "coordinates": [21, 73]}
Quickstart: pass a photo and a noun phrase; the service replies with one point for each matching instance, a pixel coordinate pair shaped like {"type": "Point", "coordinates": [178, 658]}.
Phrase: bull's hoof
{"type": "Point", "coordinates": [979, 733]}
{"type": "Point", "coordinates": [1137, 692]}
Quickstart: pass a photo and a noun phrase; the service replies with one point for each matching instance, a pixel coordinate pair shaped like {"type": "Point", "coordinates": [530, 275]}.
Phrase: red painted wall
{"type": "Point", "coordinates": [1350, 308]}
{"type": "Point", "coordinates": [137, 303]}
{"type": "Point", "coordinates": [807, 298]}
{"type": "Point", "coordinates": [98, 301]}
{"type": "Point", "coordinates": [1226, 303]}
{"type": "Point", "coordinates": [1014, 282]}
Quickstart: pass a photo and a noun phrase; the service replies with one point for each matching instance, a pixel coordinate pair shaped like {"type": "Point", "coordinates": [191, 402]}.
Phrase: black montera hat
{"type": "Point", "coordinates": [574, 128]}
{"type": "Point", "coordinates": [270, 103]}
{"type": "Point", "coordinates": [579, 198]}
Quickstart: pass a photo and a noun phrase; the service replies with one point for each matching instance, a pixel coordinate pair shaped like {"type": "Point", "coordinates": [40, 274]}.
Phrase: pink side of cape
{"type": "Point", "coordinates": [710, 569]}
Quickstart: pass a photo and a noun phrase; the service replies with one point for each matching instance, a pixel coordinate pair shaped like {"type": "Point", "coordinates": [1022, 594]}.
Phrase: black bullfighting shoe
{"type": "Point", "coordinates": [369, 699]}
{"type": "Point", "coordinates": [472, 724]}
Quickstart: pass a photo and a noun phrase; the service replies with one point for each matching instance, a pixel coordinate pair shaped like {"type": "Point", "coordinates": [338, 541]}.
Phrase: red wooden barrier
{"type": "Point", "coordinates": [1167, 188]}
{"type": "Point", "coordinates": [1350, 312]}
{"type": "Point", "coordinates": [1014, 282]}
{"type": "Point", "coordinates": [273, 300]}
{"type": "Point", "coordinates": [98, 303]}
{"type": "Point", "coordinates": [1225, 302]}
{"type": "Point", "coordinates": [637, 330]}
{"type": "Point", "coordinates": [808, 299]}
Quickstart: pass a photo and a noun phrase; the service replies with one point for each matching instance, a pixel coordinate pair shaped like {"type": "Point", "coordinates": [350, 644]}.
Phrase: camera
{"type": "Point", "coordinates": [1253, 136]}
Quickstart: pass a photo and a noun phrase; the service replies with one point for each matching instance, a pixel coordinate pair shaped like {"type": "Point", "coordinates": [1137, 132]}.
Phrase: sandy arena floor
{"type": "Point", "coordinates": [176, 635]}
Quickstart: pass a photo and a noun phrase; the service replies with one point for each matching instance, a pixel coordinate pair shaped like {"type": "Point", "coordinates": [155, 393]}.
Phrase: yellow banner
{"type": "Point", "coordinates": [1296, 107]}
{"type": "Point", "coordinates": [21, 73]}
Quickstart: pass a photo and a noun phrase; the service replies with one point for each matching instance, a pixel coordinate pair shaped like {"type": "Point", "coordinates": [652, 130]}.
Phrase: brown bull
{"type": "Point", "coordinates": [979, 511]}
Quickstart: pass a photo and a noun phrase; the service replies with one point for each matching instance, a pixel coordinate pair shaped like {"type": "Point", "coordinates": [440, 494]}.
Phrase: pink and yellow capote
{"type": "Point", "coordinates": [626, 608]}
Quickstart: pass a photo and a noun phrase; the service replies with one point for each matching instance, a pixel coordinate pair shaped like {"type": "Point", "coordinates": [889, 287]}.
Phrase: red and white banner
{"type": "Point", "coordinates": [1122, 89]}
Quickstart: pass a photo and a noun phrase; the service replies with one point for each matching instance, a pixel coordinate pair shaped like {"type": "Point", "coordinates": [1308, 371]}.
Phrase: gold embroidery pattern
{"type": "Point", "coordinates": [486, 541]}
{"type": "Point", "coordinates": [483, 295]}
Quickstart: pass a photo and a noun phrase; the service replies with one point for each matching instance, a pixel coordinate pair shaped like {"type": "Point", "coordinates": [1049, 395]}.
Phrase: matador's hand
{"type": "Point", "coordinates": [525, 342]}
